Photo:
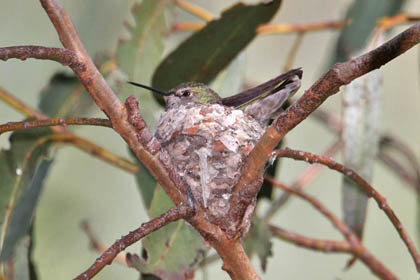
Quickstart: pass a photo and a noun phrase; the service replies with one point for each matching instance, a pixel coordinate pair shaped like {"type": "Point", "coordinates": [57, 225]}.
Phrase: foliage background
{"type": "Point", "coordinates": [81, 187]}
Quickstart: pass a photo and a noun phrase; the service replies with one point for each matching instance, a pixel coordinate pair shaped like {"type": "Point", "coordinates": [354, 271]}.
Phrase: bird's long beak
{"type": "Point", "coordinates": [161, 92]}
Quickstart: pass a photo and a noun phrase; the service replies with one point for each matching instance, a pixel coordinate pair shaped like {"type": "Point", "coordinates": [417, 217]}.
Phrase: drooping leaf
{"type": "Point", "coordinates": [362, 101]}
{"type": "Point", "coordinates": [23, 168]}
{"type": "Point", "coordinates": [364, 16]}
{"type": "Point", "coordinates": [203, 55]}
{"type": "Point", "coordinates": [173, 250]}
{"type": "Point", "coordinates": [138, 56]}
{"type": "Point", "coordinates": [258, 241]}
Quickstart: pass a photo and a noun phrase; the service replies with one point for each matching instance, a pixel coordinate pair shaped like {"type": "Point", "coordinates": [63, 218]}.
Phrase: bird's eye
{"type": "Point", "coordinates": [186, 93]}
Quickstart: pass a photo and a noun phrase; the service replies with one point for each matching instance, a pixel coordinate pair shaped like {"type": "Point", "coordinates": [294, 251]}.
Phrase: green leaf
{"type": "Point", "coordinates": [64, 96]}
{"type": "Point", "coordinates": [173, 250]}
{"type": "Point", "coordinates": [138, 56]}
{"type": "Point", "coordinates": [362, 101]}
{"type": "Point", "coordinates": [23, 168]}
{"type": "Point", "coordinates": [203, 55]}
{"type": "Point", "coordinates": [364, 16]}
{"type": "Point", "coordinates": [258, 241]}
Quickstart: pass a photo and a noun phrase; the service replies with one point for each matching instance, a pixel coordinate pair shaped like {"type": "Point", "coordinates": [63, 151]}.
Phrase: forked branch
{"type": "Point", "coordinates": [329, 84]}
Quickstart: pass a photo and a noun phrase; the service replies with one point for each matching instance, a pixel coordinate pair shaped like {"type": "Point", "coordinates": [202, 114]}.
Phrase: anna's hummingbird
{"type": "Point", "coordinates": [263, 102]}
{"type": "Point", "coordinates": [208, 137]}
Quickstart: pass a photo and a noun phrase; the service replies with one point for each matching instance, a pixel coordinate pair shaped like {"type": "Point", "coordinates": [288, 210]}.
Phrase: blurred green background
{"type": "Point", "coordinates": [83, 188]}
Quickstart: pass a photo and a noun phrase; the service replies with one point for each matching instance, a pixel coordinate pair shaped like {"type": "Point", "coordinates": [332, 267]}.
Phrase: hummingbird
{"type": "Point", "coordinates": [262, 102]}
{"type": "Point", "coordinates": [208, 139]}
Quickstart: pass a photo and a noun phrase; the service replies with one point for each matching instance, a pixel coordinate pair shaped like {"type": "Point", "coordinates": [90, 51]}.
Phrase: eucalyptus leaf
{"type": "Point", "coordinates": [362, 101]}
{"type": "Point", "coordinates": [23, 167]}
{"type": "Point", "coordinates": [207, 52]}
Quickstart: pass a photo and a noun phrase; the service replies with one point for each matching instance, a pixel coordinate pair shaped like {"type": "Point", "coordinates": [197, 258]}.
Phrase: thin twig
{"type": "Point", "coordinates": [187, 26]}
{"type": "Point", "coordinates": [304, 179]}
{"type": "Point", "coordinates": [326, 246]}
{"type": "Point", "coordinates": [365, 186]}
{"type": "Point", "coordinates": [63, 56]}
{"type": "Point", "coordinates": [353, 241]}
{"type": "Point", "coordinates": [329, 84]}
{"type": "Point", "coordinates": [12, 126]}
{"type": "Point", "coordinates": [97, 245]}
{"type": "Point", "coordinates": [195, 10]}
{"type": "Point", "coordinates": [285, 28]}
{"type": "Point", "coordinates": [266, 29]}
{"type": "Point", "coordinates": [173, 214]}
{"type": "Point", "coordinates": [389, 22]}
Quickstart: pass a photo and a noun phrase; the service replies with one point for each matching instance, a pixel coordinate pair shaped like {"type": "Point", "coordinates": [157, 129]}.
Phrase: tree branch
{"type": "Point", "coordinates": [173, 214]}
{"type": "Point", "coordinates": [127, 121]}
{"type": "Point", "coordinates": [106, 99]}
{"type": "Point", "coordinates": [365, 186]}
{"type": "Point", "coordinates": [329, 84]}
{"type": "Point", "coordinates": [11, 126]}
{"type": "Point", "coordinates": [63, 56]}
